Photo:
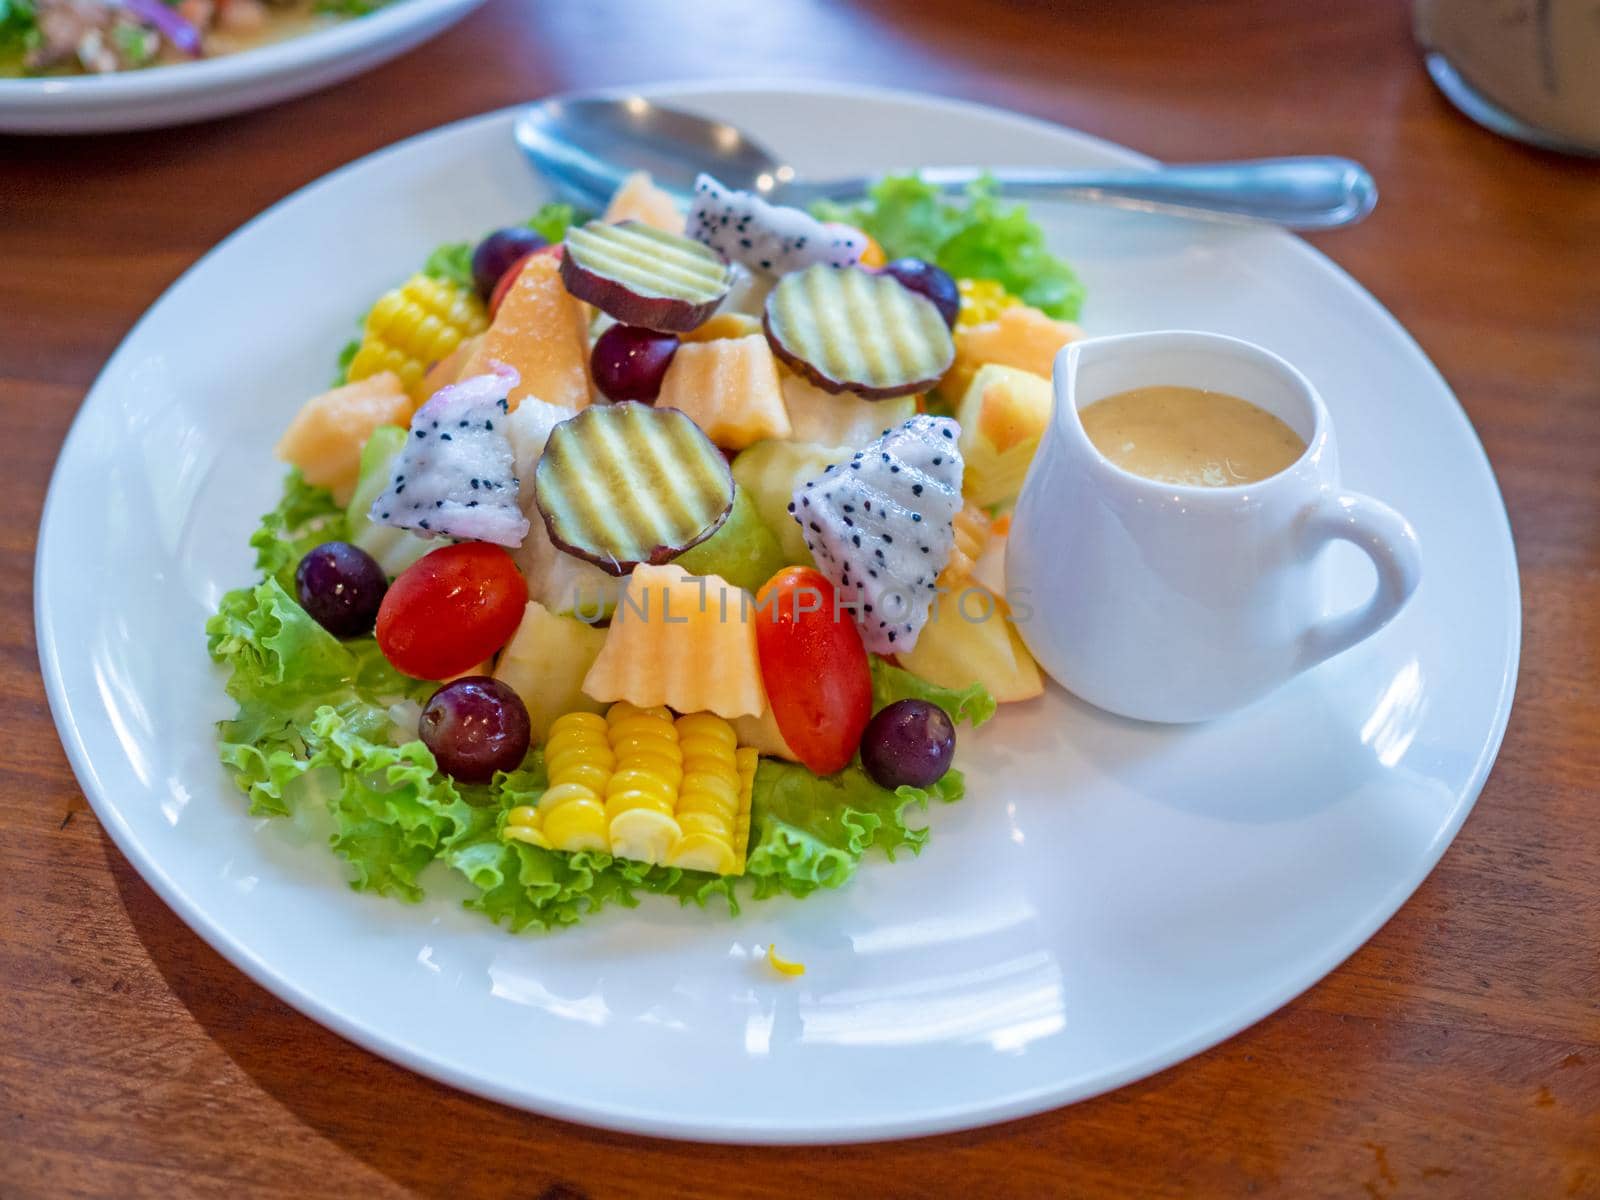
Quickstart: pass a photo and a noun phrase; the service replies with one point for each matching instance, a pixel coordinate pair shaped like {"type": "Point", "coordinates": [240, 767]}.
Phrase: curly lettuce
{"type": "Point", "coordinates": [985, 238]}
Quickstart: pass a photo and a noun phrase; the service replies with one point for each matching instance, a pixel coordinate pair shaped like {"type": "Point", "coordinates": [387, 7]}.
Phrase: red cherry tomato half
{"type": "Point", "coordinates": [451, 609]}
{"type": "Point", "coordinates": [815, 668]}
{"type": "Point", "coordinates": [509, 276]}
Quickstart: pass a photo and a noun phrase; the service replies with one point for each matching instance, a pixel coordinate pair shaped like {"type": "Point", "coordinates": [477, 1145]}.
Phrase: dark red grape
{"type": "Point", "coordinates": [629, 363]}
{"type": "Point", "coordinates": [341, 586]}
{"type": "Point", "coordinates": [497, 252]}
{"type": "Point", "coordinates": [908, 742]}
{"type": "Point", "coordinates": [928, 280]}
{"type": "Point", "coordinates": [475, 726]}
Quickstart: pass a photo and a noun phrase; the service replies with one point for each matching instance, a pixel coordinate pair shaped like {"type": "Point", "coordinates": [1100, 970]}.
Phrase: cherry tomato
{"type": "Point", "coordinates": [814, 666]}
{"type": "Point", "coordinates": [509, 276]}
{"type": "Point", "coordinates": [451, 609]}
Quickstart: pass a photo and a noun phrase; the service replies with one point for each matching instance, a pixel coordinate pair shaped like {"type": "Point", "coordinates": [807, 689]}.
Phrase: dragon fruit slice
{"type": "Point", "coordinates": [456, 476]}
{"type": "Point", "coordinates": [769, 239]}
{"type": "Point", "coordinates": [879, 526]}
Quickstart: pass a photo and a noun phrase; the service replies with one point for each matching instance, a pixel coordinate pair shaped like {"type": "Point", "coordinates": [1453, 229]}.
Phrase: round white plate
{"type": "Point", "coordinates": [229, 83]}
{"type": "Point", "coordinates": [1109, 899]}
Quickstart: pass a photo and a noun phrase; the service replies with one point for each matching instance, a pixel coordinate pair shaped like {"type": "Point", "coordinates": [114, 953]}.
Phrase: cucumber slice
{"type": "Point", "coordinates": [624, 484]}
{"type": "Point", "coordinates": [853, 330]}
{"type": "Point", "coordinates": [644, 276]}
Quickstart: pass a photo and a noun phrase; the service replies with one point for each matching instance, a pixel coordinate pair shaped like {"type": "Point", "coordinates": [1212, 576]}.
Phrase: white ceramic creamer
{"type": "Point", "coordinates": [1166, 602]}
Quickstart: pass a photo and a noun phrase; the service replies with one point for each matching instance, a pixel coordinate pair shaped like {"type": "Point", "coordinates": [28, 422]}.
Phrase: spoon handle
{"type": "Point", "coordinates": [1312, 192]}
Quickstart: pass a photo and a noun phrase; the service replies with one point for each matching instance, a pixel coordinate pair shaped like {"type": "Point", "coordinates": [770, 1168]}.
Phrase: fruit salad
{"type": "Point", "coordinates": [653, 552]}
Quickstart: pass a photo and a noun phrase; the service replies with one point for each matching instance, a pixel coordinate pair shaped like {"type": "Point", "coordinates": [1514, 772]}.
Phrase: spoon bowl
{"type": "Point", "coordinates": [586, 147]}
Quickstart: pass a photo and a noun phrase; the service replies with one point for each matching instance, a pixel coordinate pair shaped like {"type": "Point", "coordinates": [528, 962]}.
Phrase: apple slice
{"type": "Point", "coordinates": [853, 330]}
{"type": "Point", "coordinates": [624, 484]}
{"type": "Point", "coordinates": [644, 276]}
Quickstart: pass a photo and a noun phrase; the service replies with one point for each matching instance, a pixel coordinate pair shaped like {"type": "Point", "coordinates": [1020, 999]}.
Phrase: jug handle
{"type": "Point", "coordinates": [1388, 540]}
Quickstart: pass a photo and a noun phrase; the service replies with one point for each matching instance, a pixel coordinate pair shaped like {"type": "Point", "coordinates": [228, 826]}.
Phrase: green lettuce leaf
{"type": "Point", "coordinates": [972, 704]}
{"type": "Point", "coordinates": [809, 832]}
{"type": "Point", "coordinates": [306, 516]}
{"type": "Point", "coordinates": [552, 221]}
{"type": "Point", "coordinates": [451, 261]}
{"type": "Point", "coordinates": [983, 239]}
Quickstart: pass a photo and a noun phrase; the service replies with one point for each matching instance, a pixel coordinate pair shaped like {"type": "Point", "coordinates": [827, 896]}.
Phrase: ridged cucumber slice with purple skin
{"type": "Point", "coordinates": [644, 276]}
{"type": "Point", "coordinates": [624, 484]}
{"type": "Point", "coordinates": [853, 330]}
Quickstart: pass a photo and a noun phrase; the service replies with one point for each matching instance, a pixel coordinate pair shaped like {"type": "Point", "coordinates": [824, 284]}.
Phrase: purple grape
{"type": "Point", "coordinates": [496, 254]}
{"type": "Point", "coordinates": [928, 280]}
{"type": "Point", "coordinates": [341, 586]}
{"type": "Point", "coordinates": [629, 363]}
{"type": "Point", "coordinates": [908, 742]}
{"type": "Point", "coordinates": [475, 726]}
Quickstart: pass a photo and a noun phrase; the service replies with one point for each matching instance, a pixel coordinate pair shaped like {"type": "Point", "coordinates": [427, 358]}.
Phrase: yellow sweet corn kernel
{"type": "Point", "coordinates": [982, 300]}
{"type": "Point", "coordinates": [414, 326]}
{"type": "Point", "coordinates": [782, 965]}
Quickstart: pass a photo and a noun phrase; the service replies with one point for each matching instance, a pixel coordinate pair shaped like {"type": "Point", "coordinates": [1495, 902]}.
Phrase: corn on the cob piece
{"type": "Point", "coordinates": [414, 326]}
{"type": "Point", "coordinates": [643, 786]}
{"type": "Point", "coordinates": [982, 300]}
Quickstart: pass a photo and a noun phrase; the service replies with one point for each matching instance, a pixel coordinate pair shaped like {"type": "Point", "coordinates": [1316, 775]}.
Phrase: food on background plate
{"type": "Point", "coordinates": [98, 37]}
{"type": "Point", "coordinates": [623, 559]}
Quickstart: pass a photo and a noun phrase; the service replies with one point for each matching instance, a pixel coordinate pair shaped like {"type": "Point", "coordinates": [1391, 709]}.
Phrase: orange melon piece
{"type": "Point", "coordinates": [542, 332]}
{"type": "Point", "coordinates": [638, 199]}
{"type": "Point", "coordinates": [448, 369]}
{"type": "Point", "coordinates": [1020, 337]}
{"type": "Point", "coordinates": [325, 438]}
{"type": "Point", "coordinates": [687, 642]}
{"type": "Point", "coordinates": [729, 388]}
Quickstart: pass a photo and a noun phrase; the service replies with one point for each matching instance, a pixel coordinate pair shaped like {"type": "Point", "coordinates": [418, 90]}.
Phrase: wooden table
{"type": "Point", "coordinates": [1458, 1053]}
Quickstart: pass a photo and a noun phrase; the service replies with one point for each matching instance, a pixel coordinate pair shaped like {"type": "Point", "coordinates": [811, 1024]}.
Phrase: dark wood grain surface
{"type": "Point", "coordinates": [1457, 1054]}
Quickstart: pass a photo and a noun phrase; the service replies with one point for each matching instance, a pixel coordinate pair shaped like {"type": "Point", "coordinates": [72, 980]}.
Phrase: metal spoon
{"type": "Point", "coordinates": [586, 146]}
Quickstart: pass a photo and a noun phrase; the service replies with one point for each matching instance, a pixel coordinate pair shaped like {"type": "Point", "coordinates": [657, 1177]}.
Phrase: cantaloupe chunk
{"type": "Point", "coordinates": [545, 663]}
{"type": "Point", "coordinates": [969, 640]}
{"type": "Point", "coordinates": [1020, 336]}
{"type": "Point", "coordinates": [1003, 416]}
{"type": "Point", "coordinates": [543, 332]}
{"type": "Point", "coordinates": [729, 388]}
{"type": "Point", "coordinates": [684, 641]}
{"type": "Point", "coordinates": [448, 369]}
{"type": "Point", "coordinates": [639, 199]}
{"type": "Point", "coordinates": [325, 438]}
{"type": "Point", "coordinates": [845, 419]}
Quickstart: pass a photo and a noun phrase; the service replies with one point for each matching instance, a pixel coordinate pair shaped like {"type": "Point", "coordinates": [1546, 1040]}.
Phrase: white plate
{"type": "Point", "coordinates": [229, 83]}
{"type": "Point", "coordinates": [1110, 898]}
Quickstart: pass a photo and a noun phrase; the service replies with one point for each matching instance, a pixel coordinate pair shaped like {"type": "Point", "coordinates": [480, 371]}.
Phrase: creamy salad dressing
{"type": "Point", "coordinates": [1189, 436]}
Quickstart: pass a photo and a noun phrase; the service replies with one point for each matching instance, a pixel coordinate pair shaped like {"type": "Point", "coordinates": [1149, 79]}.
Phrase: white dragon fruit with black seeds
{"type": "Point", "coordinates": [456, 476]}
{"type": "Point", "coordinates": [879, 526]}
{"type": "Point", "coordinates": [769, 239]}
